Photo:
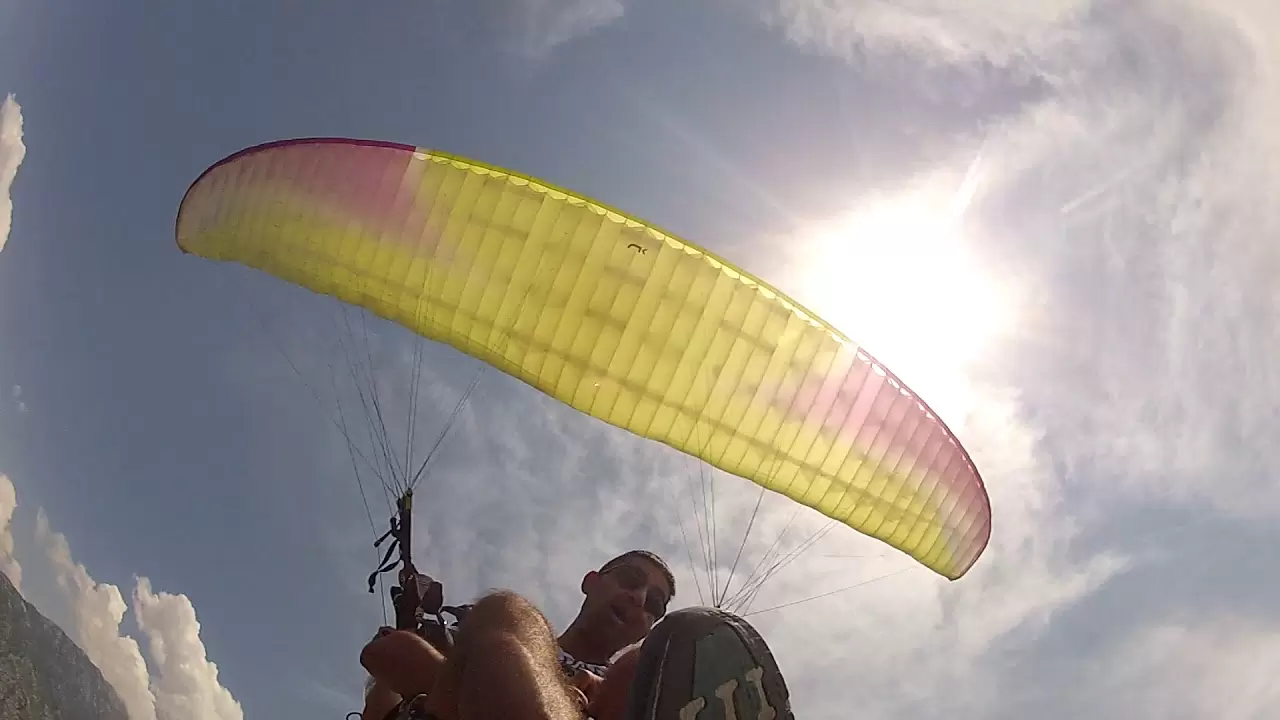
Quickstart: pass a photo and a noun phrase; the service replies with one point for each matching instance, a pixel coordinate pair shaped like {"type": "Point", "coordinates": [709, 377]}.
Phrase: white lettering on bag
{"type": "Point", "coordinates": [755, 677]}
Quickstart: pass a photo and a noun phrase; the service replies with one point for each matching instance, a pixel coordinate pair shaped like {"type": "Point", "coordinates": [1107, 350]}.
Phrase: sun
{"type": "Point", "coordinates": [896, 275]}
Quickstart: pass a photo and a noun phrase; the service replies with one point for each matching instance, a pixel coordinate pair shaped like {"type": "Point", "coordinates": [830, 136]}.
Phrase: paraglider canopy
{"type": "Point", "coordinates": [611, 315]}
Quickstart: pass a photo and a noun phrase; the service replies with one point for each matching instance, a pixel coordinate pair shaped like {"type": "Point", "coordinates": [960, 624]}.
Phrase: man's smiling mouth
{"type": "Point", "coordinates": [618, 614]}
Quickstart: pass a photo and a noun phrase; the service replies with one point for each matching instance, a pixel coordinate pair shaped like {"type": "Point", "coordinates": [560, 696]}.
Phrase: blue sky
{"type": "Point", "coordinates": [1098, 327]}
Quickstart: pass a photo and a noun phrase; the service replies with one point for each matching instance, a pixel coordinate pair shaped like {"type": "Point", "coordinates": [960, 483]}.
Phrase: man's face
{"type": "Point", "coordinates": [625, 600]}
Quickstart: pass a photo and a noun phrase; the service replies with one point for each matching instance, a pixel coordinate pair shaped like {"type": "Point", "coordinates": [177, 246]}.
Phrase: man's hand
{"type": "Point", "coordinates": [608, 697]}
{"type": "Point", "coordinates": [587, 684]}
{"type": "Point", "coordinates": [402, 662]}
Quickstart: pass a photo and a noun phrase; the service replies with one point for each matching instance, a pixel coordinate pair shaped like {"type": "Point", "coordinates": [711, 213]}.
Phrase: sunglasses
{"type": "Point", "coordinates": [630, 577]}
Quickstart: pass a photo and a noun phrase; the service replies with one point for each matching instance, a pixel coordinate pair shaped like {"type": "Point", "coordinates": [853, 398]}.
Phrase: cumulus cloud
{"type": "Point", "coordinates": [96, 611]}
{"type": "Point", "coordinates": [184, 683]}
{"type": "Point", "coordinates": [184, 680]}
{"type": "Point", "coordinates": [8, 503]}
{"type": "Point", "coordinates": [12, 152]}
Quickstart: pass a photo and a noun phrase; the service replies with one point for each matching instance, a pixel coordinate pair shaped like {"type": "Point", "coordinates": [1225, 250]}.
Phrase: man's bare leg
{"type": "Point", "coordinates": [504, 666]}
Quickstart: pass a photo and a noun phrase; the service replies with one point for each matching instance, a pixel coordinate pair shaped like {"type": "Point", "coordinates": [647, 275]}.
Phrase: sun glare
{"type": "Point", "coordinates": [896, 276]}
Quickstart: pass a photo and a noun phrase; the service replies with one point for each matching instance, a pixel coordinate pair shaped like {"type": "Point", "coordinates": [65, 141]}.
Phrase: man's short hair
{"type": "Point", "coordinates": [646, 555]}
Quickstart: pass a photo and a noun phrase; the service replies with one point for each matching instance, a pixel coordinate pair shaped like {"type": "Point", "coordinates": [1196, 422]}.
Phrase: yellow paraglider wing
{"type": "Point", "coordinates": [608, 314]}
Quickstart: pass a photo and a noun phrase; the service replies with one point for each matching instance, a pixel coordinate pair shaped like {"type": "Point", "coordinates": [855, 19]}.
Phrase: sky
{"type": "Point", "coordinates": [1070, 202]}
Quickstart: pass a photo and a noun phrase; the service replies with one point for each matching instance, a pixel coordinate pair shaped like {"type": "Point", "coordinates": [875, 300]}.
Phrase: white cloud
{"type": "Point", "coordinates": [535, 27]}
{"type": "Point", "coordinates": [96, 612]}
{"type": "Point", "coordinates": [8, 503]}
{"type": "Point", "coordinates": [945, 31]}
{"type": "Point", "coordinates": [12, 151]}
{"type": "Point", "coordinates": [184, 680]}
{"type": "Point", "coordinates": [1133, 197]}
{"type": "Point", "coordinates": [1165, 174]}
{"type": "Point", "coordinates": [185, 683]}
{"type": "Point", "coordinates": [549, 23]}
{"type": "Point", "coordinates": [1220, 667]}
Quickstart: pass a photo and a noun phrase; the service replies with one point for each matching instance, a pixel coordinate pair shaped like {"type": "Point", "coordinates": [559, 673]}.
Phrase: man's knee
{"type": "Point", "coordinates": [502, 601]}
{"type": "Point", "coordinates": [507, 612]}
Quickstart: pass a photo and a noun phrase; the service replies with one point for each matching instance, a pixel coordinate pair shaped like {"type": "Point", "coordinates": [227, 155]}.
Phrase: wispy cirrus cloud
{"type": "Point", "coordinates": [533, 28]}
{"type": "Point", "coordinates": [549, 23]}
{"type": "Point", "coordinates": [942, 32]}
{"type": "Point", "coordinates": [1125, 204]}
{"type": "Point", "coordinates": [1219, 666]}
{"type": "Point", "coordinates": [1132, 190]}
